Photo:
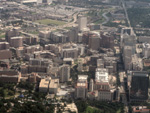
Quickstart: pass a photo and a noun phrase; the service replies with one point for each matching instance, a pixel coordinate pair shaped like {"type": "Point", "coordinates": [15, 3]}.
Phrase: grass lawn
{"type": "Point", "coordinates": [34, 32]}
{"type": "Point", "coordinates": [90, 109]}
{"type": "Point", "coordinates": [99, 21]}
{"type": "Point", "coordinates": [119, 111]}
{"type": "Point", "coordinates": [2, 35]}
{"type": "Point", "coordinates": [50, 21]}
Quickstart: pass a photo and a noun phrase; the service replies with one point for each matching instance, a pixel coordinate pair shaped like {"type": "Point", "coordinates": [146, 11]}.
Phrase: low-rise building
{"type": "Point", "coordinates": [10, 76]}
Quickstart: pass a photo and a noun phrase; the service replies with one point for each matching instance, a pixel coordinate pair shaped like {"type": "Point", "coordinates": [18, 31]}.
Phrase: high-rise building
{"type": "Point", "coordinates": [94, 41]}
{"type": "Point", "coordinates": [107, 40]}
{"type": "Point", "coordinates": [146, 50]}
{"type": "Point", "coordinates": [64, 73]}
{"type": "Point", "coordinates": [16, 42]}
{"type": "Point", "coordinates": [82, 21]}
{"type": "Point", "coordinates": [127, 30]}
{"type": "Point", "coordinates": [127, 57]}
{"type": "Point", "coordinates": [4, 45]}
{"type": "Point", "coordinates": [139, 84]}
{"type": "Point", "coordinates": [11, 33]}
{"type": "Point", "coordinates": [82, 86]}
{"type": "Point", "coordinates": [91, 86]}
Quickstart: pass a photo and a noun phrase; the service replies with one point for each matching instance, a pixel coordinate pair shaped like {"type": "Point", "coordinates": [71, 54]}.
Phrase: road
{"type": "Point", "coordinates": [106, 18]}
{"type": "Point", "coordinates": [126, 14]}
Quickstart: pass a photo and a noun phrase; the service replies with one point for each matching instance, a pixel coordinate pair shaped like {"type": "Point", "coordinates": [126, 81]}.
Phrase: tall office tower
{"type": "Point", "coordinates": [107, 40]}
{"type": "Point", "coordinates": [127, 30]}
{"type": "Point", "coordinates": [127, 57]}
{"type": "Point", "coordinates": [91, 86]}
{"type": "Point", "coordinates": [16, 42]}
{"type": "Point", "coordinates": [82, 21]}
{"type": "Point", "coordinates": [128, 40]}
{"type": "Point", "coordinates": [73, 34]}
{"type": "Point", "coordinates": [94, 41]}
{"type": "Point", "coordinates": [138, 88]}
{"type": "Point", "coordinates": [82, 86]}
{"type": "Point", "coordinates": [64, 73]}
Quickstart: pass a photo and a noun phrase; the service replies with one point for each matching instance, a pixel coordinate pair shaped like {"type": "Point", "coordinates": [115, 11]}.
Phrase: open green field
{"type": "Point", "coordinates": [50, 21]}
{"type": "Point", "coordinates": [90, 109]}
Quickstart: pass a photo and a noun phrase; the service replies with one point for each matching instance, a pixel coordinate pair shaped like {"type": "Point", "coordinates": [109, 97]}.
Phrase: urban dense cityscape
{"type": "Point", "coordinates": [74, 56]}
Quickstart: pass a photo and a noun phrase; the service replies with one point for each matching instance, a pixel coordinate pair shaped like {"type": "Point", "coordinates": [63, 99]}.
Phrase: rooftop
{"type": "Point", "coordinates": [101, 75]}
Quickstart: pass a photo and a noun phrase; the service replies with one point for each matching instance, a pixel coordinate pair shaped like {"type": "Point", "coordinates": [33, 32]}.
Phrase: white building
{"type": "Point", "coordinates": [101, 79]}
{"type": "Point", "coordinates": [43, 87]}
{"type": "Point", "coordinates": [101, 75]}
{"type": "Point", "coordinates": [49, 85]}
{"type": "Point", "coordinates": [82, 86]}
{"type": "Point", "coordinates": [82, 21]}
{"type": "Point", "coordinates": [146, 50]}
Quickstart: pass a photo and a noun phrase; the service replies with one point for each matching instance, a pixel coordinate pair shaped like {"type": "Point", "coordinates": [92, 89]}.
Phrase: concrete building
{"type": "Point", "coordinates": [52, 48]}
{"type": "Point", "coordinates": [101, 79]}
{"type": "Point", "coordinates": [137, 63]}
{"type": "Point", "coordinates": [44, 34]}
{"type": "Point", "coordinates": [128, 40]}
{"type": "Point", "coordinates": [69, 53]}
{"type": "Point", "coordinates": [94, 41]}
{"type": "Point", "coordinates": [107, 40]}
{"type": "Point", "coordinates": [31, 40]}
{"type": "Point", "coordinates": [70, 107]}
{"type": "Point", "coordinates": [73, 34]}
{"type": "Point", "coordinates": [79, 39]}
{"type": "Point", "coordinates": [127, 57]}
{"type": "Point", "coordinates": [144, 39]}
{"type": "Point", "coordinates": [5, 54]}
{"type": "Point", "coordinates": [49, 85]}
{"type": "Point", "coordinates": [127, 30]}
{"type": "Point", "coordinates": [10, 76]}
{"type": "Point", "coordinates": [100, 63]}
{"type": "Point", "coordinates": [105, 95]}
{"type": "Point", "coordinates": [4, 45]}
{"type": "Point", "coordinates": [146, 50]}
{"type": "Point", "coordinates": [82, 23]}
{"type": "Point", "coordinates": [91, 86]}
{"type": "Point", "coordinates": [11, 33]}
{"type": "Point", "coordinates": [82, 86]}
{"type": "Point", "coordinates": [44, 1]}
{"type": "Point", "coordinates": [54, 86]}
{"type": "Point", "coordinates": [64, 73]}
{"type": "Point", "coordinates": [37, 65]}
{"type": "Point", "coordinates": [44, 85]}
{"type": "Point", "coordinates": [59, 37]}
{"type": "Point", "coordinates": [16, 42]}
